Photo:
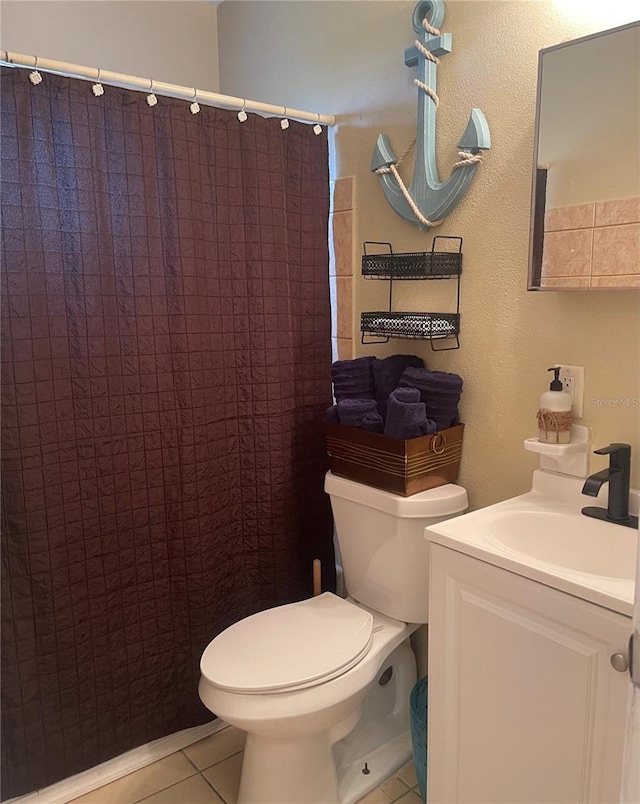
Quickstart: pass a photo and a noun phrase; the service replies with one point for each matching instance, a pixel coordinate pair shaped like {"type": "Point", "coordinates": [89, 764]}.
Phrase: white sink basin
{"type": "Point", "coordinates": [572, 541]}
{"type": "Point", "coordinates": [543, 535]}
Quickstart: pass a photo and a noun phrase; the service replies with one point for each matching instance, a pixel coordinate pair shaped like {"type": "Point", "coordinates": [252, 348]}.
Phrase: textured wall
{"type": "Point", "coordinates": [173, 41]}
{"type": "Point", "coordinates": [347, 58]}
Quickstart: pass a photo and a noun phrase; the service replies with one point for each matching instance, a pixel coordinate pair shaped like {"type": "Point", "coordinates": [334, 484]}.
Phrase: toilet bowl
{"type": "Point", "coordinates": [322, 686]}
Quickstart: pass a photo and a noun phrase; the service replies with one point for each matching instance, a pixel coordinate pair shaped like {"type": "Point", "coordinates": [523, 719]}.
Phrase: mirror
{"type": "Point", "coordinates": [585, 211]}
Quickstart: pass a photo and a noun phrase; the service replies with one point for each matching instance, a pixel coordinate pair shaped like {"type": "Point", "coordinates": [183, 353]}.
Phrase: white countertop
{"type": "Point", "coordinates": [471, 534]}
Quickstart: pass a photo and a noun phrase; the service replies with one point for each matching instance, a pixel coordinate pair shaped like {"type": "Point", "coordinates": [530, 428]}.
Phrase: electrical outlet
{"type": "Point", "coordinates": [572, 379]}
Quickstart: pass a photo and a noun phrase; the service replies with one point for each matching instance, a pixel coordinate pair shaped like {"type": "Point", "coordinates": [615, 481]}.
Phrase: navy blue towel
{"type": "Point", "coordinates": [387, 373]}
{"type": "Point", "coordinates": [351, 412]}
{"type": "Point", "coordinates": [331, 415]}
{"type": "Point", "coordinates": [373, 423]}
{"type": "Point", "coordinates": [407, 415]}
{"type": "Point", "coordinates": [439, 390]}
{"type": "Point", "coordinates": [352, 379]}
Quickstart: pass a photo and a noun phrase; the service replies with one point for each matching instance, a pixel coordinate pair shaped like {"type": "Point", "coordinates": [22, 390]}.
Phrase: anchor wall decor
{"type": "Point", "coordinates": [428, 201]}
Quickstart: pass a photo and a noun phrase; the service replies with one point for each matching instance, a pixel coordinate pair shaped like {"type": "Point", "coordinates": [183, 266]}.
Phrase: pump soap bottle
{"type": "Point", "coordinates": [554, 416]}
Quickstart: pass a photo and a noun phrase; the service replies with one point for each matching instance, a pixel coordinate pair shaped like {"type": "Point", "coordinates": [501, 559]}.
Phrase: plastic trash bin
{"type": "Point", "coordinates": [418, 705]}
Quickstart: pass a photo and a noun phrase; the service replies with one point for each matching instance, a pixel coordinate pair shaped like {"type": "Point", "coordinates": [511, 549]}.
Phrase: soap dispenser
{"type": "Point", "coordinates": [554, 416]}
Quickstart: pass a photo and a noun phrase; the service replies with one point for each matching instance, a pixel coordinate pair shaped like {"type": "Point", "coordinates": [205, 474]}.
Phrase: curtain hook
{"type": "Point", "coordinates": [317, 129]}
{"type": "Point", "coordinates": [34, 75]}
{"type": "Point", "coordinates": [195, 106]}
{"type": "Point", "coordinates": [151, 97]}
{"type": "Point", "coordinates": [242, 115]}
{"type": "Point", "coordinates": [97, 88]}
{"type": "Point", "coordinates": [284, 123]}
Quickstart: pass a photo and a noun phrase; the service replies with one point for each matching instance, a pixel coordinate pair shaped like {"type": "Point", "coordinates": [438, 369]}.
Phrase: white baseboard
{"type": "Point", "coordinates": [116, 768]}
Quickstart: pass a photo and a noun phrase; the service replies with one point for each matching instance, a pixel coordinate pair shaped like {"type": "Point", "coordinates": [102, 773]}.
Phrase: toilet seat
{"type": "Point", "coordinates": [289, 647]}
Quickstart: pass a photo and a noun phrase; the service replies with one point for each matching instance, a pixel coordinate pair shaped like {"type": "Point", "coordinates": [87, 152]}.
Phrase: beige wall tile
{"type": "Point", "coordinates": [567, 253]}
{"type": "Point", "coordinates": [578, 216]}
{"type": "Point", "coordinates": [192, 791]}
{"type": "Point", "coordinates": [225, 777]}
{"type": "Point", "coordinates": [616, 250]}
{"type": "Point", "coordinates": [142, 783]}
{"type": "Point", "coordinates": [342, 194]}
{"type": "Point", "coordinates": [345, 307]}
{"type": "Point", "coordinates": [619, 281]}
{"type": "Point", "coordinates": [571, 282]}
{"type": "Point", "coordinates": [623, 210]}
{"type": "Point", "coordinates": [216, 747]}
{"type": "Point", "coordinates": [333, 291]}
{"type": "Point", "coordinates": [344, 348]}
{"type": "Point", "coordinates": [342, 224]}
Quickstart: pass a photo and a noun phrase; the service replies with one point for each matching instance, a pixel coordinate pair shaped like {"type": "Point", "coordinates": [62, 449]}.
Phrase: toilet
{"type": "Point", "coordinates": [322, 686]}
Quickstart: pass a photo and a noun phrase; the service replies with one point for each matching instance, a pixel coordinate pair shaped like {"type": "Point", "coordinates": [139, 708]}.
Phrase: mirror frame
{"type": "Point", "coordinates": [539, 175]}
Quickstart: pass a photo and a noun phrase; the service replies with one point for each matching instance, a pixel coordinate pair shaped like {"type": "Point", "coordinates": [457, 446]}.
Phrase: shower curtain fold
{"type": "Point", "coordinates": [165, 359]}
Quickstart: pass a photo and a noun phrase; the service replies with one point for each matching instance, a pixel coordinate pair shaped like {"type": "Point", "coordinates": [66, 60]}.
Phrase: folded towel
{"type": "Point", "coordinates": [353, 379]}
{"type": "Point", "coordinates": [439, 390]}
{"type": "Point", "coordinates": [406, 415]}
{"type": "Point", "coordinates": [373, 422]}
{"type": "Point", "coordinates": [351, 412]}
{"type": "Point", "coordinates": [406, 394]}
{"type": "Point", "coordinates": [427, 380]}
{"type": "Point", "coordinates": [331, 415]}
{"type": "Point", "coordinates": [387, 373]}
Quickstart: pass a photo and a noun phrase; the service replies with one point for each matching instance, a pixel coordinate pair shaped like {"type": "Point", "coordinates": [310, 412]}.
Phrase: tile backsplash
{"type": "Point", "coordinates": [592, 245]}
{"type": "Point", "coordinates": [341, 267]}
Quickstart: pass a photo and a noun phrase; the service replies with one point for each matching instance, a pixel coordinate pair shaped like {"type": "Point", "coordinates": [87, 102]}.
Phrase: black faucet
{"type": "Point", "coordinates": [618, 477]}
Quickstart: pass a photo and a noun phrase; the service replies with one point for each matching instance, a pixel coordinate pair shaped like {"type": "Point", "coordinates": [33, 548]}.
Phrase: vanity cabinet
{"type": "Point", "coordinates": [524, 703]}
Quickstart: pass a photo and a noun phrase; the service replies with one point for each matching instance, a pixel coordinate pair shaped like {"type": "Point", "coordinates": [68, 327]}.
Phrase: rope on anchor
{"type": "Point", "coordinates": [465, 157]}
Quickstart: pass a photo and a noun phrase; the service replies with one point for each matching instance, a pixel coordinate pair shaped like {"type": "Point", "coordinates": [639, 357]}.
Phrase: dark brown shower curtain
{"type": "Point", "coordinates": [166, 354]}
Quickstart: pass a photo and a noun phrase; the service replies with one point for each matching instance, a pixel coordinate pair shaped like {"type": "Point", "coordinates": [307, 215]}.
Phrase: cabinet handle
{"type": "Point", "coordinates": [634, 659]}
{"type": "Point", "coordinates": [619, 662]}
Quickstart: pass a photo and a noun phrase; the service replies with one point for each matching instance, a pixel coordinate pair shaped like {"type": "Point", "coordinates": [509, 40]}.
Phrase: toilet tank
{"type": "Point", "coordinates": [385, 555]}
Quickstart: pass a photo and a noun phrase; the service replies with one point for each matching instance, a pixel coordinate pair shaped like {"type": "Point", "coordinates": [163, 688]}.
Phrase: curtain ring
{"type": "Point", "coordinates": [195, 106]}
{"type": "Point", "coordinates": [242, 115]}
{"type": "Point", "coordinates": [284, 123]}
{"type": "Point", "coordinates": [97, 88]}
{"type": "Point", "coordinates": [317, 129]}
{"type": "Point", "coordinates": [34, 75]}
{"type": "Point", "coordinates": [151, 97]}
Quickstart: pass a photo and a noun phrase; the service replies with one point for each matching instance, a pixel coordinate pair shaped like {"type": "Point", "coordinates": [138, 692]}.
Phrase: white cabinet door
{"type": "Point", "coordinates": [524, 704]}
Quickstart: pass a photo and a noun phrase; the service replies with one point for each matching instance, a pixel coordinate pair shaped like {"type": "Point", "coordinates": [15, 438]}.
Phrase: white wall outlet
{"type": "Point", "coordinates": [572, 379]}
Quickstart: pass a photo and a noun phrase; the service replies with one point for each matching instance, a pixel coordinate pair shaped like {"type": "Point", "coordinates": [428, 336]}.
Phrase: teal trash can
{"type": "Point", "coordinates": [418, 706]}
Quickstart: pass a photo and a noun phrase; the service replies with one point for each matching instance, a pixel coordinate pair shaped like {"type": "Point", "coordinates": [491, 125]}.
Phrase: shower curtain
{"type": "Point", "coordinates": [166, 357]}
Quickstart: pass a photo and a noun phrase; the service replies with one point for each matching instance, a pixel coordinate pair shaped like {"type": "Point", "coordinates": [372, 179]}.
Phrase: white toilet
{"type": "Point", "coordinates": [322, 686]}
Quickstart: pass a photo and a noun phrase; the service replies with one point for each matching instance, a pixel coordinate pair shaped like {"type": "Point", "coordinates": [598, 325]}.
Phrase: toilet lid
{"type": "Point", "coordinates": [289, 647]}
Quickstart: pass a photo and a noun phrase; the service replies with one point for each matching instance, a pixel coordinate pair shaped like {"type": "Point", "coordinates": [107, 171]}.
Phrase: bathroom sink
{"type": "Point", "coordinates": [568, 540]}
{"type": "Point", "coordinates": [543, 536]}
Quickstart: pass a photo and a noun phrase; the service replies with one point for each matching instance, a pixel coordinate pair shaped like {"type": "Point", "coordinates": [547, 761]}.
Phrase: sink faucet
{"type": "Point", "coordinates": [618, 477]}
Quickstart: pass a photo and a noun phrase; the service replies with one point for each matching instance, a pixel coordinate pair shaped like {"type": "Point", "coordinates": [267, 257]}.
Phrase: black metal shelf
{"type": "Point", "coordinates": [421, 265]}
{"type": "Point", "coordinates": [412, 265]}
{"type": "Point", "coordinates": [410, 325]}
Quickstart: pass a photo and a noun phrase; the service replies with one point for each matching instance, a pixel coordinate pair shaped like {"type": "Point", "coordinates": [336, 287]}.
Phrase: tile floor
{"type": "Point", "coordinates": [208, 772]}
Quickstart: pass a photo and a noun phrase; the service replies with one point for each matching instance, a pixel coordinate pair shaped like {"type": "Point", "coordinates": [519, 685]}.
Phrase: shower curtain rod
{"type": "Point", "coordinates": [160, 88]}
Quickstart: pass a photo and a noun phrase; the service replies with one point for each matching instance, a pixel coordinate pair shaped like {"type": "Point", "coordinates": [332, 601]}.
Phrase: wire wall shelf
{"type": "Point", "coordinates": [412, 265]}
{"type": "Point", "coordinates": [411, 325]}
{"type": "Point", "coordinates": [380, 326]}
